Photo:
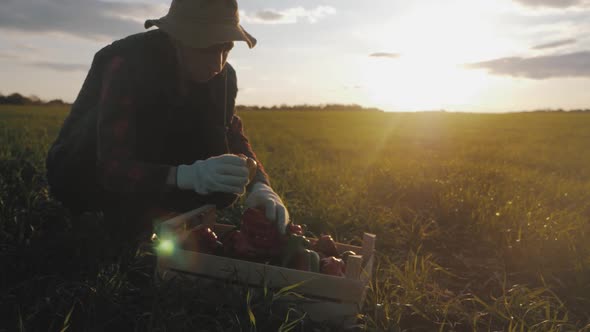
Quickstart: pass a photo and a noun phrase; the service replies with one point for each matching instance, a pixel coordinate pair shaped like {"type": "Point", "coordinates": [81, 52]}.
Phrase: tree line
{"type": "Point", "coordinates": [18, 99]}
{"type": "Point", "coordinates": [308, 107]}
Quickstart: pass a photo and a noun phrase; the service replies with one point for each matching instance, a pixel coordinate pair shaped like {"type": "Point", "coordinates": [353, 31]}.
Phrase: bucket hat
{"type": "Point", "coordinates": [202, 23]}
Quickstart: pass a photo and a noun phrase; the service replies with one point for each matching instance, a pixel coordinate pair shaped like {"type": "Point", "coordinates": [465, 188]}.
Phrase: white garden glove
{"type": "Point", "coordinates": [227, 173]}
{"type": "Point", "coordinates": [262, 196]}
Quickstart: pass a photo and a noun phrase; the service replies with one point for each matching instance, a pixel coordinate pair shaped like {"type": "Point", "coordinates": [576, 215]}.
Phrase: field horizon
{"type": "Point", "coordinates": [482, 223]}
{"type": "Point", "coordinates": [20, 100]}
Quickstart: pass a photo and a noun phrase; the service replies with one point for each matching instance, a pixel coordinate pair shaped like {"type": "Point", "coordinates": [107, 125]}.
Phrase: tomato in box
{"type": "Point", "coordinates": [292, 245]}
{"type": "Point", "coordinates": [262, 234]}
{"type": "Point", "coordinates": [306, 260]}
{"type": "Point", "coordinates": [294, 229]}
{"type": "Point", "coordinates": [326, 246]}
{"type": "Point", "coordinates": [332, 266]}
{"type": "Point", "coordinates": [235, 244]}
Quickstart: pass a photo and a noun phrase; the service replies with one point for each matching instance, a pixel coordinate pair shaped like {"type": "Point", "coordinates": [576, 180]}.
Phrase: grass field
{"type": "Point", "coordinates": [482, 221]}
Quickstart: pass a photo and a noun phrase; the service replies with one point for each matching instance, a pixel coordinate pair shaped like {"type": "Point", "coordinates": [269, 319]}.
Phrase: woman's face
{"type": "Point", "coordinates": [202, 64]}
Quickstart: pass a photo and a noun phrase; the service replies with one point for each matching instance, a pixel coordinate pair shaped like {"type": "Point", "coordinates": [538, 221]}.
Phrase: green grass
{"type": "Point", "coordinates": [482, 224]}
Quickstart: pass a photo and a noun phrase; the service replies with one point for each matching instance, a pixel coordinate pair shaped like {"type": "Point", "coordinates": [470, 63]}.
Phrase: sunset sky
{"type": "Point", "coordinates": [458, 55]}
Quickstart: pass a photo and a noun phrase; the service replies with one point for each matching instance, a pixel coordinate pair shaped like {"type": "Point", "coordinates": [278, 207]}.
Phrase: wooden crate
{"type": "Point", "coordinates": [327, 298]}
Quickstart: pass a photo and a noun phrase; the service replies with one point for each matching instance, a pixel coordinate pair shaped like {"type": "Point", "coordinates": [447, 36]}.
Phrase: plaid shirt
{"type": "Point", "coordinates": [120, 168]}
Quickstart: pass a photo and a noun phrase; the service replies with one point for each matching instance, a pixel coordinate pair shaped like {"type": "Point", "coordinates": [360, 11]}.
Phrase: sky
{"type": "Point", "coordinates": [398, 55]}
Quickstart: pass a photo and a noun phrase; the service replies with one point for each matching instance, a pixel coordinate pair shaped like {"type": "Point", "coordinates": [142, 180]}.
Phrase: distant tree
{"type": "Point", "coordinates": [16, 99]}
{"type": "Point", "coordinates": [308, 107]}
{"type": "Point", "coordinates": [56, 102]}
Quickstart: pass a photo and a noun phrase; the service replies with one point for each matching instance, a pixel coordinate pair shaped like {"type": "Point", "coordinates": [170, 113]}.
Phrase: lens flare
{"type": "Point", "coordinates": [166, 247]}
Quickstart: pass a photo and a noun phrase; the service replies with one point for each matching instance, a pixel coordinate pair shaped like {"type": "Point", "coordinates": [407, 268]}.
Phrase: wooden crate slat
{"type": "Point", "coordinates": [320, 285]}
{"type": "Point", "coordinates": [365, 278]}
{"type": "Point", "coordinates": [353, 267]}
{"type": "Point", "coordinates": [205, 213]}
{"type": "Point", "coordinates": [348, 247]}
{"type": "Point", "coordinates": [368, 246]}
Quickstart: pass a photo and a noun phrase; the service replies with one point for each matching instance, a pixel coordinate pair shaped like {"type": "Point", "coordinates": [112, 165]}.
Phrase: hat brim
{"type": "Point", "coordinates": [203, 35]}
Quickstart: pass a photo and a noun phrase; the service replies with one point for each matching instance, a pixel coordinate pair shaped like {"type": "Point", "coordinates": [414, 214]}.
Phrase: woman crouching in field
{"type": "Point", "coordinates": [154, 130]}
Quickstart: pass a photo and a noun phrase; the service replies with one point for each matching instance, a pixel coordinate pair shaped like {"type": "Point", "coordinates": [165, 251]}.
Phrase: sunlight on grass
{"type": "Point", "coordinates": [481, 223]}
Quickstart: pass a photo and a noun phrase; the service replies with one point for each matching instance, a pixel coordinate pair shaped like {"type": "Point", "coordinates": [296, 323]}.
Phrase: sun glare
{"type": "Point", "coordinates": [433, 42]}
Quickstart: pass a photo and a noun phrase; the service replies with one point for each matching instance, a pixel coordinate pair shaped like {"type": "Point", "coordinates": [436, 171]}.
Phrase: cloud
{"type": "Point", "coordinates": [269, 15]}
{"type": "Point", "coordinates": [555, 44]}
{"type": "Point", "coordinates": [385, 55]}
{"type": "Point", "coordinates": [8, 55]}
{"type": "Point", "coordinates": [287, 16]}
{"type": "Point", "coordinates": [63, 67]}
{"type": "Point", "coordinates": [25, 60]}
{"type": "Point", "coordinates": [564, 65]}
{"type": "Point", "coordinates": [89, 19]}
{"type": "Point", "coordinates": [26, 47]}
{"type": "Point", "coordinates": [553, 3]}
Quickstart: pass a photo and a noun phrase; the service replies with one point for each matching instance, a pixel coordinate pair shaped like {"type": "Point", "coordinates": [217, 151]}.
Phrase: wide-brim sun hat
{"type": "Point", "coordinates": [203, 23]}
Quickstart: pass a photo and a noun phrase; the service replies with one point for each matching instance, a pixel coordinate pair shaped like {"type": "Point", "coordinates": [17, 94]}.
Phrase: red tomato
{"type": "Point", "coordinates": [332, 266]}
{"type": "Point", "coordinates": [294, 229]}
{"type": "Point", "coordinates": [236, 244]}
{"type": "Point", "coordinates": [262, 233]}
{"type": "Point", "coordinates": [326, 245]}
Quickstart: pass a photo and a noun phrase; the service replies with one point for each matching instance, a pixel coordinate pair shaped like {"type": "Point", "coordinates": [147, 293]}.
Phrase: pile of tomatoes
{"type": "Point", "coordinates": [258, 240]}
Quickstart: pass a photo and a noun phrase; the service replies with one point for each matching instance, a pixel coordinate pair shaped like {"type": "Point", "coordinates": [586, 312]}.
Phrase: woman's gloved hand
{"type": "Point", "coordinates": [262, 196]}
{"type": "Point", "coordinates": [227, 173]}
